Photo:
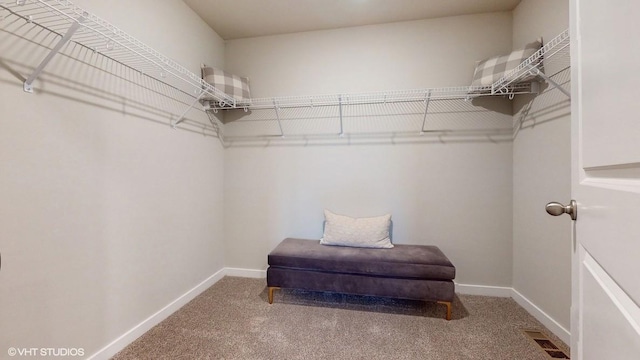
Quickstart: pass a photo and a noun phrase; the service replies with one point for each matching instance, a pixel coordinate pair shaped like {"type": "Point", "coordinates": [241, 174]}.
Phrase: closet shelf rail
{"type": "Point", "coordinates": [396, 96]}
{"type": "Point", "coordinates": [520, 80]}
{"type": "Point", "coordinates": [73, 23]}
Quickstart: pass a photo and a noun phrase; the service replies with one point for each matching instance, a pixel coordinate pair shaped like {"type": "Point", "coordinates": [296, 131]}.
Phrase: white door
{"type": "Point", "coordinates": [605, 73]}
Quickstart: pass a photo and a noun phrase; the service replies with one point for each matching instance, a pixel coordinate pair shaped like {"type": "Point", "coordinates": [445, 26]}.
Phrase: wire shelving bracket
{"type": "Point", "coordinates": [28, 84]}
{"type": "Point", "coordinates": [276, 109]}
{"type": "Point", "coordinates": [427, 99]}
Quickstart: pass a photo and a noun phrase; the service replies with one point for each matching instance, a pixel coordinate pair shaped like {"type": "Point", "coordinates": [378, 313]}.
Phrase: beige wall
{"type": "Point", "coordinates": [107, 214]}
{"type": "Point", "coordinates": [542, 172]}
{"type": "Point", "coordinates": [456, 195]}
{"type": "Point", "coordinates": [397, 56]}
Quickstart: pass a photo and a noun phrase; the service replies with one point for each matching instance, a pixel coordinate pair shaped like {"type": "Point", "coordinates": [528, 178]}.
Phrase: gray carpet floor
{"type": "Point", "coordinates": [233, 320]}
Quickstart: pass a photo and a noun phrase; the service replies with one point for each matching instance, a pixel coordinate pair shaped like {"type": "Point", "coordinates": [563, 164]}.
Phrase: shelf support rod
{"type": "Point", "coordinates": [218, 128]}
{"type": "Point", "coordinates": [340, 112]}
{"type": "Point", "coordinates": [536, 71]}
{"type": "Point", "coordinates": [28, 84]}
{"type": "Point", "coordinates": [184, 113]}
{"type": "Point", "coordinates": [275, 107]}
{"type": "Point", "coordinates": [426, 110]}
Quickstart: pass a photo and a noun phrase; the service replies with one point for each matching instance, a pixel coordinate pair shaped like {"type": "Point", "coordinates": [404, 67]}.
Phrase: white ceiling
{"type": "Point", "coordinates": [233, 19]}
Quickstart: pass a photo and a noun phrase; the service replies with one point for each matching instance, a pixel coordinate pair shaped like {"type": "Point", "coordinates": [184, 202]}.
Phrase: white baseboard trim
{"type": "Point", "coordinates": [246, 273]}
{"type": "Point", "coordinates": [542, 316]}
{"type": "Point", "coordinates": [521, 300]}
{"type": "Point", "coordinates": [483, 290]}
{"type": "Point", "coordinates": [137, 331]}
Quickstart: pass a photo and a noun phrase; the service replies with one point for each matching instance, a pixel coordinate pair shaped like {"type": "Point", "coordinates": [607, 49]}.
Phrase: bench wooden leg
{"type": "Point", "coordinates": [271, 289]}
{"type": "Point", "coordinates": [448, 305]}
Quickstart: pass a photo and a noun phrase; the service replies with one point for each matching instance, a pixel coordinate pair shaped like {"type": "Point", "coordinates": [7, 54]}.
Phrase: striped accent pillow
{"type": "Point", "coordinates": [491, 70]}
{"type": "Point", "coordinates": [232, 85]}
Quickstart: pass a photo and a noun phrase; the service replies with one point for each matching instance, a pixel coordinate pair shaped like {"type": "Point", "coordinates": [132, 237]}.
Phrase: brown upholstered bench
{"type": "Point", "coordinates": [415, 272]}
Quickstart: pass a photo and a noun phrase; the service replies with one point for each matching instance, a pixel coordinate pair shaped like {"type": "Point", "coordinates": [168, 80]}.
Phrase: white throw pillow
{"type": "Point", "coordinates": [371, 232]}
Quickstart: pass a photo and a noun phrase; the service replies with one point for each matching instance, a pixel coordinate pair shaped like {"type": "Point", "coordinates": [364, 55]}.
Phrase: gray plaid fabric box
{"type": "Point", "coordinates": [491, 70]}
{"type": "Point", "coordinates": [232, 85]}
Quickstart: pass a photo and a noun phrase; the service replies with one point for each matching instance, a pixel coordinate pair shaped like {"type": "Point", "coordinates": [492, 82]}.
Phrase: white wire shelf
{"type": "Point", "coordinates": [75, 24]}
{"type": "Point", "coordinates": [396, 96]}
{"type": "Point", "coordinates": [513, 83]}
{"type": "Point", "coordinates": [413, 112]}
{"type": "Point", "coordinates": [533, 66]}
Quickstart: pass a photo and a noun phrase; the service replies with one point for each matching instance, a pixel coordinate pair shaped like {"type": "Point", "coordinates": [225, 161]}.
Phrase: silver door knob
{"type": "Point", "coordinates": [555, 209]}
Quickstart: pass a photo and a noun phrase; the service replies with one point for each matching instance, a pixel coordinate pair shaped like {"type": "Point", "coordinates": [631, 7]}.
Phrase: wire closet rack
{"type": "Point", "coordinates": [73, 24]}
{"type": "Point", "coordinates": [533, 65]}
{"type": "Point", "coordinates": [466, 110]}
{"type": "Point", "coordinates": [328, 115]}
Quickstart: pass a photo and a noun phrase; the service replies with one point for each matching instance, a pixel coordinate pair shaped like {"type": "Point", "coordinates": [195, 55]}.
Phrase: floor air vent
{"type": "Point", "coordinates": [546, 345]}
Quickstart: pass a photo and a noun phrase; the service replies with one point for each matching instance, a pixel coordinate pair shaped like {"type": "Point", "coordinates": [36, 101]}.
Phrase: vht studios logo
{"type": "Point", "coordinates": [49, 352]}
